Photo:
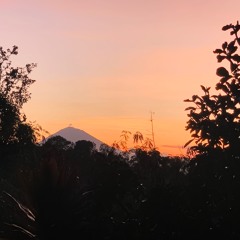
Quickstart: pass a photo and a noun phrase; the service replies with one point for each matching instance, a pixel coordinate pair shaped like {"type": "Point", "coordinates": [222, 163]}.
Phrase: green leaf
{"type": "Point", "coordinates": [224, 45]}
{"type": "Point", "coordinates": [236, 57]}
{"type": "Point", "coordinates": [218, 51]}
{"type": "Point", "coordinates": [190, 108]}
{"type": "Point", "coordinates": [233, 50]}
{"type": "Point", "coordinates": [205, 89]}
{"type": "Point", "coordinates": [226, 27]}
{"type": "Point", "coordinates": [231, 47]}
{"type": "Point", "coordinates": [220, 58]}
{"type": "Point", "coordinates": [194, 97]}
{"type": "Point", "coordinates": [222, 72]}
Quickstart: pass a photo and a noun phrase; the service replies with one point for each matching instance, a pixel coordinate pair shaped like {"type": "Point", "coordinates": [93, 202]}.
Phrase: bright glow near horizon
{"type": "Point", "coordinates": [104, 65]}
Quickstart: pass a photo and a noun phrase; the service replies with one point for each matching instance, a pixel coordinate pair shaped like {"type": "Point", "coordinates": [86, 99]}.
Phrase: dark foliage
{"type": "Point", "coordinates": [14, 81]}
{"type": "Point", "coordinates": [83, 193]}
{"type": "Point", "coordinates": [90, 195]}
{"type": "Point", "coordinates": [214, 120]}
{"type": "Point", "coordinates": [14, 84]}
{"type": "Point", "coordinates": [61, 190]}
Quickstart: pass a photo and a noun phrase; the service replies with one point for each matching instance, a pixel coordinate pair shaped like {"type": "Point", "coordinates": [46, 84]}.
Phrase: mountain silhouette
{"type": "Point", "coordinates": [74, 134]}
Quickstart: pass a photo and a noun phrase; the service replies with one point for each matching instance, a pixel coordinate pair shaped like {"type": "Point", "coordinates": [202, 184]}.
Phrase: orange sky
{"type": "Point", "coordinates": [104, 65]}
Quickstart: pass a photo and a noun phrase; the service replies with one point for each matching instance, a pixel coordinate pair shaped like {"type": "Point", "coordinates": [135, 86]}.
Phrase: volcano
{"type": "Point", "coordinates": [74, 134]}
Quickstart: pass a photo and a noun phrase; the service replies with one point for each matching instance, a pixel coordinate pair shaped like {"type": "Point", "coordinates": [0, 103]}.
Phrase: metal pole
{"type": "Point", "coordinates": [152, 129]}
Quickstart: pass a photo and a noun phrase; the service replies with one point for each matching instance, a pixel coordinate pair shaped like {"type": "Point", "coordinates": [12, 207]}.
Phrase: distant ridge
{"type": "Point", "coordinates": [74, 134]}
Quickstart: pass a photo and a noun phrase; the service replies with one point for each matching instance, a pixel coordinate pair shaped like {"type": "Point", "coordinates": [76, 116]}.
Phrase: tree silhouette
{"type": "Point", "coordinates": [14, 84]}
{"type": "Point", "coordinates": [58, 143]}
{"type": "Point", "coordinates": [214, 120]}
{"type": "Point", "coordinates": [139, 141]}
{"type": "Point", "coordinates": [14, 81]}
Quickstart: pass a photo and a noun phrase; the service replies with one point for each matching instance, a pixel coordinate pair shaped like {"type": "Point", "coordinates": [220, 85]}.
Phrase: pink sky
{"type": "Point", "coordinates": [104, 65]}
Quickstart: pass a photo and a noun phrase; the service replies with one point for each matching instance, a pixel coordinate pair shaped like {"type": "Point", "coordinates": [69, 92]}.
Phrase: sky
{"type": "Point", "coordinates": [104, 65]}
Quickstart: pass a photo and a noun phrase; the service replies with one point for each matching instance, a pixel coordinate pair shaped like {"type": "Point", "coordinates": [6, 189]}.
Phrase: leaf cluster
{"type": "Point", "coordinates": [14, 84]}
{"type": "Point", "coordinates": [214, 120]}
{"type": "Point", "coordinates": [14, 81]}
{"type": "Point", "coordinates": [139, 141]}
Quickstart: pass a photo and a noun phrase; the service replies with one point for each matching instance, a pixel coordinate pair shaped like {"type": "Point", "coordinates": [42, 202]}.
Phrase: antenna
{"type": "Point", "coordinates": [152, 129]}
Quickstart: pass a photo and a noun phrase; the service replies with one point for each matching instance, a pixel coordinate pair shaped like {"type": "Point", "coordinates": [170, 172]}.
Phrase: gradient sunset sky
{"type": "Point", "coordinates": [104, 65]}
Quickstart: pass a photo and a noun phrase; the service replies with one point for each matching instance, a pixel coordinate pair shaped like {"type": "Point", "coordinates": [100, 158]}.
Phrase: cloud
{"type": "Point", "coordinates": [172, 146]}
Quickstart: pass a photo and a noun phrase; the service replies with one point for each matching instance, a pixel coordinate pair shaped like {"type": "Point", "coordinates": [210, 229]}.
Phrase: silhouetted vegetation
{"type": "Point", "coordinates": [64, 190]}
{"type": "Point", "coordinates": [214, 120]}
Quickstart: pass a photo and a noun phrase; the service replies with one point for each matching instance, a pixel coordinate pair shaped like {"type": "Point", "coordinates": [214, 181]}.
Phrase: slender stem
{"type": "Point", "coordinates": [152, 130]}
